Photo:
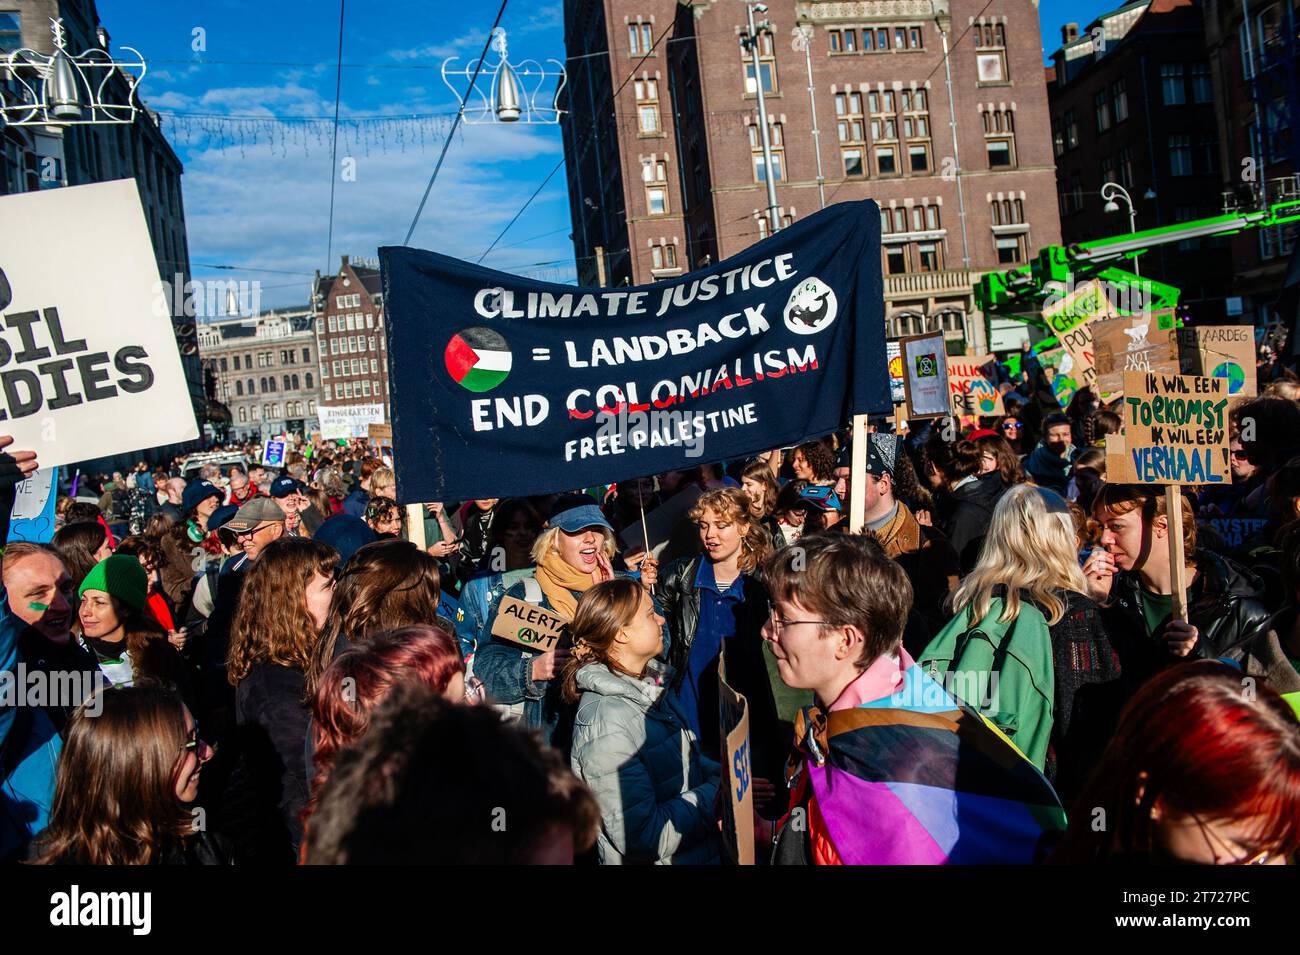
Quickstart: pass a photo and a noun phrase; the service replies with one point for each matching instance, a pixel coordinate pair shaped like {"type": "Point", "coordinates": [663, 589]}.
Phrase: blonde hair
{"type": "Point", "coordinates": [732, 504]}
{"type": "Point", "coordinates": [383, 477]}
{"type": "Point", "coordinates": [1030, 547]}
{"type": "Point", "coordinates": [545, 543]}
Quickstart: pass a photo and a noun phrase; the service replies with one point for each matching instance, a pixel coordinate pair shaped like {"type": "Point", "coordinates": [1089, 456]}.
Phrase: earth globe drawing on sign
{"type": "Point", "coordinates": [478, 359]}
{"type": "Point", "coordinates": [985, 395]}
{"type": "Point", "coordinates": [1232, 371]}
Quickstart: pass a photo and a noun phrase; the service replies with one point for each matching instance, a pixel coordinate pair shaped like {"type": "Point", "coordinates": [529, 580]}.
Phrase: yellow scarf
{"type": "Point", "coordinates": [558, 581]}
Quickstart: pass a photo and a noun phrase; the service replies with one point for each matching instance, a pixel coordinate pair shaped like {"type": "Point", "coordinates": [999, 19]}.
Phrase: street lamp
{"type": "Point", "coordinates": [750, 42]}
{"type": "Point", "coordinates": [512, 95]}
{"type": "Point", "coordinates": [1111, 191]}
{"type": "Point", "coordinates": [65, 90]}
{"type": "Point", "coordinates": [801, 40]}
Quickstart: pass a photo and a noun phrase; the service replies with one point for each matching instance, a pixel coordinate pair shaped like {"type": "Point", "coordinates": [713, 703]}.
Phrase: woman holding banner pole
{"type": "Point", "coordinates": [1131, 575]}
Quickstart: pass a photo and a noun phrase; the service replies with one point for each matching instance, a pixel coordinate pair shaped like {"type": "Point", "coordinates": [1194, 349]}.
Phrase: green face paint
{"type": "Point", "coordinates": [39, 606]}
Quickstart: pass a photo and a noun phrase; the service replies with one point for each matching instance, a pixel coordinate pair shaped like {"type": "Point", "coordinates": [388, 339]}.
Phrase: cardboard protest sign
{"type": "Point", "coordinates": [1233, 532]}
{"type": "Point", "coordinates": [273, 454]}
{"type": "Point", "coordinates": [504, 386]}
{"type": "Point", "coordinates": [1062, 366]}
{"type": "Point", "coordinates": [1070, 315]}
{"type": "Point", "coordinates": [894, 353]}
{"type": "Point", "coordinates": [1175, 431]}
{"type": "Point", "coordinates": [529, 625]}
{"type": "Point", "coordinates": [348, 421]}
{"type": "Point", "coordinates": [1217, 351]}
{"type": "Point", "coordinates": [971, 386]}
{"type": "Point", "coordinates": [925, 376]}
{"type": "Point", "coordinates": [737, 772]}
{"type": "Point", "coordinates": [380, 433]}
{"type": "Point", "coordinates": [32, 517]}
{"type": "Point", "coordinates": [89, 365]}
{"type": "Point", "coordinates": [1128, 343]}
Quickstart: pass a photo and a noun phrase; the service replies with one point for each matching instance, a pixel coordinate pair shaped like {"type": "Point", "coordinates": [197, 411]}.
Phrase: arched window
{"type": "Point", "coordinates": [286, 382]}
{"type": "Point", "coordinates": [294, 379]}
{"type": "Point", "coordinates": [243, 415]}
{"type": "Point", "coordinates": [239, 387]}
{"type": "Point", "coordinates": [251, 389]}
{"type": "Point", "coordinates": [309, 385]}
{"type": "Point", "coordinates": [311, 405]}
{"type": "Point", "coordinates": [264, 388]}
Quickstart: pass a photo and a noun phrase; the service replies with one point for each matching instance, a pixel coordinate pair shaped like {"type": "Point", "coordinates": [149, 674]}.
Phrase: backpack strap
{"type": "Point", "coordinates": [532, 590]}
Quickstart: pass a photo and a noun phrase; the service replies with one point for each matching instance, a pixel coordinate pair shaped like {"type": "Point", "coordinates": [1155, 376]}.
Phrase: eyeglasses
{"type": "Point", "coordinates": [1012, 425]}
{"type": "Point", "coordinates": [1237, 855]}
{"type": "Point", "coordinates": [240, 535]}
{"type": "Point", "coordinates": [779, 624]}
{"type": "Point", "coordinates": [1239, 455]}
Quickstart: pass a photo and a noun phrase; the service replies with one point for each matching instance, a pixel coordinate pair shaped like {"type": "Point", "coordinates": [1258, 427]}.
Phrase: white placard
{"type": "Point", "coordinates": [925, 371]}
{"type": "Point", "coordinates": [348, 421]}
{"type": "Point", "coordinates": [88, 360]}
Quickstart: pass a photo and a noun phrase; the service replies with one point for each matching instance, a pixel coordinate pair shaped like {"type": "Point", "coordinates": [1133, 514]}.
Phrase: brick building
{"type": "Point", "coordinates": [349, 316]}
{"type": "Point", "coordinates": [666, 173]}
{"type": "Point", "coordinates": [1254, 54]}
{"type": "Point", "coordinates": [263, 369]}
{"type": "Point", "coordinates": [1133, 103]}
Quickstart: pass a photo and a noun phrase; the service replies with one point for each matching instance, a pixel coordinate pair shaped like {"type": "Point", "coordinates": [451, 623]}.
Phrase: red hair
{"type": "Point", "coordinates": [362, 676]}
{"type": "Point", "coordinates": [1206, 741]}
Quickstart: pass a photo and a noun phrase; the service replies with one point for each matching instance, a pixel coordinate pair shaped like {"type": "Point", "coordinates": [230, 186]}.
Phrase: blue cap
{"type": "Point", "coordinates": [221, 515]}
{"type": "Point", "coordinates": [284, 486]}
{"type": "Point", "coordinates": [576, 518]}
{"type": "Point", "coordinates": [198, 491]}
{"type": "Point", "coordinates": [346, 534]}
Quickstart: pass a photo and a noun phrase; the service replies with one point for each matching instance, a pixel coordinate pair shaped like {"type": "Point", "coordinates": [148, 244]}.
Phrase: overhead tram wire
{"type": "Point", "coordinates": [455, 123]}
{"type": "Point", "coordinates": [334, 148]}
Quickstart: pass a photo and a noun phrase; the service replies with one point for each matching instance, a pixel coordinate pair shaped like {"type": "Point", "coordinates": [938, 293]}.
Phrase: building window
{"type": "Point", "coordinates": [374, 366]}
{"type": "Point", "coordinates": [306, 356]}
{"type": "Point", "coordinates": [766, 66]}
{"type": "Point", "coordinates": [236, 363]}
{"type": "Point", "coordinates": [639, 38]}
{"type": "Point", "coordinates": [1180, 155]}
{"type": "Point", "coordinates": [647, 105]}
{"type": "Point", "coordinates": [1202, 89]}
{"type": "Point", "coordinates": [914, 36]}
{"type": "Point", "coordinates": [295, 382]}
{"type": "Point", "coordinates": [243, 415]}
{"type": "Point", "coordinates": [1207, 155]}
{"type": "Point", "coordinates": [886, 160]}
{"type": "Point", "coordinates": [1007, 211]}
{"type": "Point", "coordinates": [311, 405]}
{"type": "Point", "coordinates": [1072, 198]}
{"type": "Point", "coordinates": [1126, 167]}
{"type": "Point", "coordinates": [999, 138]}
{"type": "Point", "coordinates": [776, 144]}
{"type": "Point", "coordinates": [338, 390]}
{"type": "Point", "coordinates": [1071, 129]}
{"type": "Point", "coordinates": [239, 388]}
{"type": "Point", "coordinates": [365, 388]}
{"type": "Point", "coordinates": [1101, 107]}
{"type": "Point", "coordinates": [663, 256]}
{"type": "Point", "coordinates": [916, 129]}
{"type": "Point", "coordinates": [333, 323]}
{"type": "Point", "coordinates": [1107, 169]}
{"type": "Point", "coordinates": [927, 257]}
{"type": "Point", "coordinates": [286, 383]}
{"type": "Point", "coordinates": [849, 126]}
{"type": "Point", "coordinates": [991, 53]}
{"type": "Point", "coordinates": [1119, 100]}
{"type": "Point", "coordinates": [844, 41]}
{"type": "Point", "coordinates": [1171, 84]}
{"type": "Point", "coordinates": [656, 199]}
{"type": "Point", "coordinates": [1010, 248]}
{"type": "Point", "coordinates": [308, 381]}
{"type": "Point", "coordinates": [895, 259]}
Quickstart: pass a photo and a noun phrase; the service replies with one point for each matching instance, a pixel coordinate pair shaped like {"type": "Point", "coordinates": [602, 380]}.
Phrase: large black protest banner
{"type": "Point", "coordinates": [503, 386]}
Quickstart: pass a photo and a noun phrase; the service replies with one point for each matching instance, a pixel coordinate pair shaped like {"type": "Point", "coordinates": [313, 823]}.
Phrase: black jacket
{"type": "Point", "coordinates": [679, 600]}
{"type": "Point", "coordinates": [268, 787]}
{"type": "Point", "coordinates": [966, 515]}
{"type": "Point", "coordinates": [1223, 604]}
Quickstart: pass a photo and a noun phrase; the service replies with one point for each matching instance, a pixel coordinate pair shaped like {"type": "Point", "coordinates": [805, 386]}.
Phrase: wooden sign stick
{"type": "Point", "coordinates": [858, 475]}
{"type": "Point", "coordinates": [1177, 559]}
{"type": "Point", "coordinates": [415, 525]}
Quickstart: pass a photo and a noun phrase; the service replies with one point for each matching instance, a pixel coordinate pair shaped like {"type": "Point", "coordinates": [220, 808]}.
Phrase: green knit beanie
{"type": "Point", "coordinates": [120, 576]}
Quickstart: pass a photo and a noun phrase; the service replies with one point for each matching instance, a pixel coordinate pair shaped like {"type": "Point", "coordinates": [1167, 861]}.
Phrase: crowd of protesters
{"type": "Point", "coordinates": [272, 671]}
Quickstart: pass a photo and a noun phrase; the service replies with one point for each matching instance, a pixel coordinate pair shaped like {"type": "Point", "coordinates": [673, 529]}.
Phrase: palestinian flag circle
{"type": "Point", "coordinates": [478, 358]}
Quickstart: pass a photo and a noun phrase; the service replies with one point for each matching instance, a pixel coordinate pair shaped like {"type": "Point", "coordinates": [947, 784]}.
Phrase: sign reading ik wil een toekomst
{"type": "Point", "coordinates": [503, 386]}
{"type": "Point", "coordinates": [89, 365]}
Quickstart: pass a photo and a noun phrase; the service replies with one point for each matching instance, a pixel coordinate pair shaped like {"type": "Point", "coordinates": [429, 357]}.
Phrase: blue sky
{"type": "Point", "coordinates": [266, 205]}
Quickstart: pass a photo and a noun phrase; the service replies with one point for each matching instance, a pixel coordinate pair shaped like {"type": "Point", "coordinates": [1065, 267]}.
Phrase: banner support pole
{"type": "Point", "coordinates": [1177, 558]}
{"type": "Point", "coordinates": [415, 526]}
{"type": "Point", "coordinates": [858, 475]}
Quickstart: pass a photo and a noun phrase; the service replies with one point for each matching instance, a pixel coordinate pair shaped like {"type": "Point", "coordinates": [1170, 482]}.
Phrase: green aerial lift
{"type": "Point", "coordinates": [1021, 292]}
